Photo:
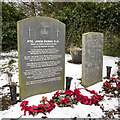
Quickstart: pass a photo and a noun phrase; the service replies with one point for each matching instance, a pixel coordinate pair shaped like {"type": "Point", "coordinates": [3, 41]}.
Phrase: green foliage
{"type": "Point", "coordinates": [112, 44]}
{"type": "Point", "coordinates": [11, 62]}
{"type": "Point", "coordinates": [79, 18]}
{"type": "Point", "coordinates": [10, 16]}
{"type": "Point", "coordinates": [92, 17]}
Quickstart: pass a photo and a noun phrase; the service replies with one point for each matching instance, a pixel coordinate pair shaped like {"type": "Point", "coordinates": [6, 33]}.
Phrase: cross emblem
{"type": "Point", "coordinates": [57, 33]}
{"type": "Point", "coordinates": [29, 31]}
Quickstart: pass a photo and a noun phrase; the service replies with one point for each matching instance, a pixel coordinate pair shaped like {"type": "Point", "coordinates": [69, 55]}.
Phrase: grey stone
{"type": "Point", "coordinates": [41, 48]}
{"type": "Point", "coordinates": [76, 54]}
{"type": "Point", "coordinates": [92, 58]}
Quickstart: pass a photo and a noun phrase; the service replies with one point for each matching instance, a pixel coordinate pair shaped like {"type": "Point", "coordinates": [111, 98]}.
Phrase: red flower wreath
{"type": "Point", "coordinates": [109, 88]}
{"type": "Point", "coordinates": [69, 97]}
{"type": "Point", "coordinates": [34, 110]}
{"type": "Point", "coordinates": [112, 80]}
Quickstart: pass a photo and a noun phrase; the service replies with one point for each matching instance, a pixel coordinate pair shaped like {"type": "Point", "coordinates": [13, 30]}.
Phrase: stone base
{"type": "Point", "coordinates": [86, 85]}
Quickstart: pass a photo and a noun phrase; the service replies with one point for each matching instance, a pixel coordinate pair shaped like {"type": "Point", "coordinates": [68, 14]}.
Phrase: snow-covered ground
{"type": "Point", "coordinates": [71, 70]}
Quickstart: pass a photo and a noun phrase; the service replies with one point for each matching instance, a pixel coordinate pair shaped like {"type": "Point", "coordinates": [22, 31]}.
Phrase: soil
{"type": "Point", "coordinates": [6, 102]}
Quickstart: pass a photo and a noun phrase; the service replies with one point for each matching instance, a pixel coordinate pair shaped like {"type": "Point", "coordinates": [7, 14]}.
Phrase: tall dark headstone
{"type": "Point", "coordinates": [92, 58]}
{"type": "Point", "coordinates": [41, 48]}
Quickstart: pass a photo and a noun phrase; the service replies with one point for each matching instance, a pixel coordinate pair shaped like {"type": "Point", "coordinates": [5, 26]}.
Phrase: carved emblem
{"type": "Point", "coordinates": [29, 31]}
{"type": "Point", "coordinates": [44, 30]}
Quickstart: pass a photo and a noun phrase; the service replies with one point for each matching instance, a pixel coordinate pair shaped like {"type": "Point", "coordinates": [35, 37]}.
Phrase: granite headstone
{"type": "Point", "coordinates": [92, 58]}
{"type": "Point", "coordinates": [41, 48]}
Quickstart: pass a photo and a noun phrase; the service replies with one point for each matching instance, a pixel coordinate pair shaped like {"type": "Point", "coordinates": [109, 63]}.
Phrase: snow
{"type": "Point", "coordinates": [71, 70]}
{"type": "Point", "coordinates": [12, 53]}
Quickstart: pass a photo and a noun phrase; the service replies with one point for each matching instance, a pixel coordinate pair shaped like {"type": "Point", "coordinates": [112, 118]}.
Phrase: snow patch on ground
{"type": "Point", "coordinates": [71, 70]}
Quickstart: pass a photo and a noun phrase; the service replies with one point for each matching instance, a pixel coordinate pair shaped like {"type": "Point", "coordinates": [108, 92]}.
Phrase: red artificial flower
{"type": "Point", "coordinates": [91, 91]}
{"type": "Point", "coordinates": [94, 97]}
{"type": "Point", "coordinates": [89, 102]}
{"type": "Point", "coordinates": [111, 87]}
{"type": "Point", "coordinates": [95, 102]}
{"type": "Point", "coordinates": [107, 84]}
{"type": "Point", "coordinates": [48, 107]}
{"type": "Point", "coordinates": [114, 79]}
{"type": "Point", "coordinates": [24, 106]}
{"type": "Point", "coordinates": [76, 92]}
{"type": "Point", "coordinates": [56, 94]}
{"type": "Point", "coordinates": [69, 92]}
{"type": "Point", "coordinates": [24, 103]}
{"type": "Point", "coordinates": [85, 101]}
{"type": "Point", "coordinates": [41, 108]}
{"type": "Point", "coordinates": [64, 101]}
{"type": "Point", "coordinates": [118, 85]}
{"type": "Point", "coordinates": [86, 89]}
{"type": "Point", "coordinates": [79, 97]}
{"type": "Point", "coordinates": [99, 97]}
{"type": "Point", "coordinates": [37, 109]}
{"type": "Point", "coordinates": [44, 99]}
{"type": "Point", "coordinates": [51, 103]}
{"type": "Point", "coordinates": [34, 109]}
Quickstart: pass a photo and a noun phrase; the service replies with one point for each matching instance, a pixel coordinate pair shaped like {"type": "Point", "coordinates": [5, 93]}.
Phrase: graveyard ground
{"type": "Point", "coordinates": [108, 107]}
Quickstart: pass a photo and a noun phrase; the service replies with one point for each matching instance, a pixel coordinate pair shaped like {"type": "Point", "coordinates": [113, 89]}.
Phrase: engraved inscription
{"type": "Point", "coordinates": [37, 58]}
{"type": "Point", "coordinates": [92, 55]}
{"type": "Point", "coordinates": [41, 55]}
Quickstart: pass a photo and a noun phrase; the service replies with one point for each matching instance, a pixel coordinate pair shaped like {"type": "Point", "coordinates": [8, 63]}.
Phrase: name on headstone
{"type": "Point", "coordinates": [41, 48]}
{"type": "Point", "coordinates": [92, 58]}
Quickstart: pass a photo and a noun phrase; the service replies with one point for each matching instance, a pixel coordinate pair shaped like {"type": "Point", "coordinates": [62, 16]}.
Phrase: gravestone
{"type": "Point", "coordinates": [41, 48]}
{"type": "Point", "coordinates": [76, 54]}
{"type": "Point", "coordinates": [92, 58]}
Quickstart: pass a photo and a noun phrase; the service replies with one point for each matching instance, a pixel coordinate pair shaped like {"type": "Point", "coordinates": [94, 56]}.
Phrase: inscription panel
{"type": "Point", "coordinates": [92, 58]}
{"type": "Point", "coordinates": [41, 43]}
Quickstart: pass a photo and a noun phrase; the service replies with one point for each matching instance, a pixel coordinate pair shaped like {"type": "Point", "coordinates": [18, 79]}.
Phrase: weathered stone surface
{"type": "Point", "coordinates": [41, 48]}
{"type": "Point", "coordinates": [92, 58]}
{"type": "Point", "coordinates": [76, 54]}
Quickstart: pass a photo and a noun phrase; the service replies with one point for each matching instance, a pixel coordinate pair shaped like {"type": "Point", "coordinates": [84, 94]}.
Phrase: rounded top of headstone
{"type": "Point", "coordinates": [41, 18]}
{"type": "Point", "coordinates": [91, 33]}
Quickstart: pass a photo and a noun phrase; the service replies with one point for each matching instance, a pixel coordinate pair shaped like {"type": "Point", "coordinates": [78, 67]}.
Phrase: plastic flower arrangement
{"type": "Point", "coordinates": [62, 99]}
{"type": "Point", "coordinates": [34, 110]}
{"type": "Point", "coordinates": [44, 99]}
{"type": "Point", "coordinates": [112, 86]}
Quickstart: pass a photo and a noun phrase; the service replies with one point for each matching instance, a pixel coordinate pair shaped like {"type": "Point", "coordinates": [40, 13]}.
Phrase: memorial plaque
{"type": "Point", "coordinates": [92, 58]}
{"type": "Point", "coordinates": [41, 48]}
